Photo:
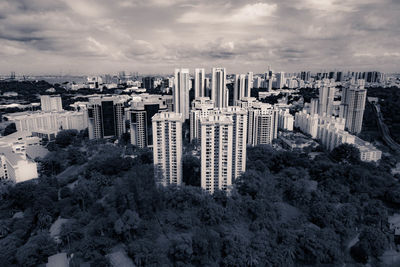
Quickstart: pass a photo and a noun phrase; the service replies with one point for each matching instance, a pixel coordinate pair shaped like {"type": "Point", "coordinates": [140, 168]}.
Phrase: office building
{"type": "Point", "coordinates": [181, 92]}
{"type": "Point", "coordinates": [216, 153]}
{"type": "Point", "coordinates": [51, 103]}
{"type": "Point", "coordinates": [199, 83]}
{"type": "Point", "coordinates": [167, 148]}
{"type": "Point", "coordinates": [106, 117]}
{"type": "Point", "coordinates": [352, 107]}
{"type": "Point", "coordinates": [219, 92]}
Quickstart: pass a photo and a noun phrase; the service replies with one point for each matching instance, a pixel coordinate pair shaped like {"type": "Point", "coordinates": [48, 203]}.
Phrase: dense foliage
{"type": "Point", "coordinates": [286, 209]}
{"type": "Point", "coordinates": [10, 128]}
{"type": "Point", "coordinates": [389, 100]}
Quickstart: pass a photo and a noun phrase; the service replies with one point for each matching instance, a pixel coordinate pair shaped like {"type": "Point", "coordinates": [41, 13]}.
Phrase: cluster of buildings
{"type": "Point", "coordinates": [317, 118]}
{"type": "Point", "coordinates": [221, 125]}
{"type": "Point", "coordinates": [50, 119]}
{"type": "Point", "coordinates": [222, 131]}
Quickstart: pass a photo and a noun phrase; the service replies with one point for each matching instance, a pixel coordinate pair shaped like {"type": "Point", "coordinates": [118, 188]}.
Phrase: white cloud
{"type": "Point", "coordinates": [248, 14]}
{"type": "Point", "coordinates": [392, 54]}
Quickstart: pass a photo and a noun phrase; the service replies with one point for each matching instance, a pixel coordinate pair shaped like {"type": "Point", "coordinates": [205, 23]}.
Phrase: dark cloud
{"type": "Point", "coordinates": [158, 35]}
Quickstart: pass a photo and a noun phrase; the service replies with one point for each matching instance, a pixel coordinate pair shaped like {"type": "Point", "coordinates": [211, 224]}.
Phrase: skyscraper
{"type": "Point", "coordinates": [280, 80]}
{"type": "Point", "coordinates": [216, 153]}
{"type": "Point", "coordinates": [219, 92]}
{"type": "Point", "coordinates": [181, 92]}
{"type": "Point", "coordinates": [239, 139]}
{"type": "Point", "coordinates": [339, 76]}
{"type": "Point", "coordinates": [314, 105]}
{"type": "Point", "coordinates": [262, 124]}
{"type": "Point", "coordinates": [242, 86]}
{"type": "Point", "coordinates": [148, 83]}
{"type": "Point", "coordinates": [353, 103]}
{"type": "Point", "coordinates": [167, 148]}
{"type": "Point", "coordinates": [258, 82]}
{"type": "Point", "coordinates": [265, 127]}
{"type": "Point", "coordinates": [199, 83]}
{"type": "Point", "coordinates": [238, 87]}
{"type": "Point", "coordinates": [106, 117]}
{"type": "Point", "coordinates": [305, 76]}
{"type": "Point", "coordinates": [326, 97]}
{"type": "Point", "coordinates": [248, 84]}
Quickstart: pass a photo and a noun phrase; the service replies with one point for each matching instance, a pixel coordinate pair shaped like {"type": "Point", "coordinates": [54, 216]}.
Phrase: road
{"type": "Point", "coordinates": [384, 130]}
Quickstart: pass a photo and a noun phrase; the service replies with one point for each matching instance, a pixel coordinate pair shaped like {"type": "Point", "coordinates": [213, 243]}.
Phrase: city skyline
{"type": "Point", "coordinates": [74, 37]}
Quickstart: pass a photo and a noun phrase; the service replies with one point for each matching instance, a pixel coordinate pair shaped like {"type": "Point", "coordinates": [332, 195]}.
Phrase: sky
{"type": "Point", "coordinates": [156, 36]}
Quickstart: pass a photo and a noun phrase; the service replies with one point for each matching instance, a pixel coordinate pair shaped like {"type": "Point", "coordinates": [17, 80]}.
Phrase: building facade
{"type": "Point", "coordinates": [49, 121]}
{"type": "Point", "coordinates": [51, 103]}
{"type": "Point", "coordinates": [199, 83]}
{"type": "Point", "coordinates": [181, 92]}
{"type": "Point", "coordinates": [106, 117]}
{"type": "Point", "coordinates": [167, 148]}
{"type": "Point", "coordinates": [219, 92]}
{"type": "Point", "coordinates": [216, 153]}
{"type": "Point", "coordinates": [352, 107]}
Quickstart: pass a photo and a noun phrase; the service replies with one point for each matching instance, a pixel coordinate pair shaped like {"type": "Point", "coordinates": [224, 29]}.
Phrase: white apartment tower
{"type": "Point", "coordinates": [138, 127]}
{"type": "Point", "coordinates": [51, 103]}
{"type": "Point", "coordinates": [314, 105]}
{"type": "Point", "coordinates": [167, 148]}
{"type": "Point", "coordinates": [239, 139]}
{"type": "Point", "coordinates": [242, 86]}
{"type": "Point", "coordinates": [181, 92]}
{"type": "Point", "coordinates": [216, 153]}
{"type": "Point", "coordinates": [262, 124]}
{"type": "Point", "coordinates": [219, 92]}
{"type": "Point", "coordinates": [248, 84]}
{"type": "Point", "coordinates": [326, 97]}
{"type": "Point", "coordinates": [199, 83]}
{"type": "Point", "coordinates": [353, 105]}
{"type": "Point", "coordinates": [280, 80]}
{"type": "Point", "coordinates": [201, 107]}
{"type": "Point", "coordinates": [238, 87]}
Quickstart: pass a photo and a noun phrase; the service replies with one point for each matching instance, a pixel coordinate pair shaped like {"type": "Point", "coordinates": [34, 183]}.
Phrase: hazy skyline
{"type": "Point", "coordinates": [156, 36]}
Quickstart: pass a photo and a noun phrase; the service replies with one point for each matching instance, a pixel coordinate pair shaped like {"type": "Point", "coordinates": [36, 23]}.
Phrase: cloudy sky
{"type": "Point", "coordinates": [156, 36]}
